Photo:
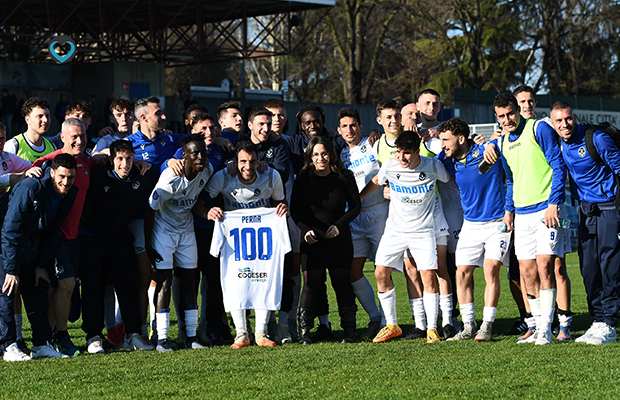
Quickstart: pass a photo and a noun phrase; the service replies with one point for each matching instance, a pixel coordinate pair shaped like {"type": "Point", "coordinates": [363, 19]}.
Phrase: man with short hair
{"type": "Point", "coordinates": [536, 175]}
{"type": "Point", "coordinates": [596, 187]}
{"type": "Point", "coordinates": [367, 228]}
{"type": "Point", "coordinates": [81, 110]}
{"type": "Point", "coordinates": [121, 118]}
{"type": "Point", "coordinates": [191, 112]}
{"type": "Point", "coordinates": [526, 100]}
{"type": "Point", "coordinates": [481, 243]}
{"type": "Point", "coordinates": [410, 226]}
{"type": "Point", "coordinates": [230, 120]}
{"type": "Point", "coordinates": [66, 257]}
{"type": "Point", "coordinates": [115, 194]}
{"type": "Point", "coordinates": [278, 121]}
{"type": "Point", "coordinates": [410, 117]}
{"type": "Point", "coordinates": [171, 241]}
{"type": "Point", "coordinates": [30, 232]}
{"type": "Point", "coordinates": [32, 144]}
{"type": "Point", "coordinates": [248, 189]}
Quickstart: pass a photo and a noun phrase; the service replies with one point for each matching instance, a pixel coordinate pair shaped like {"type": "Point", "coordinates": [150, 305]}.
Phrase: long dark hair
{"type": "Point", "coordinates": [335, 164]}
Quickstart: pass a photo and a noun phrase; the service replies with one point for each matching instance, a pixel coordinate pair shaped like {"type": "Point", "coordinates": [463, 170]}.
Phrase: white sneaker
{"type": "Point", "coordinates": [593, 329]}
{"type": "Point", "coordinates": [13, 353]}
{"type": "Point", "coordinates": [544, 337]}
{"type": "Point", "coordinates": [283, 335]}
{"type": "Point", "coordinates": [95, 345]}
{"type": "Point", "coordinates": [531, 338]}
{"type": "Point", "coordinates": [136, 342]}
{"type": "Point", "coordinates": [46, 351]}
{"type": "Point", "coordinates": [605, 334]}
{"type": "Point", "coordinates": [468, 332]}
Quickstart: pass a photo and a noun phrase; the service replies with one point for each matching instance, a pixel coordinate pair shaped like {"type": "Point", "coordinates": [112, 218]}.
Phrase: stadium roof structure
{"type": "Point", "coordinates": [175, 32]}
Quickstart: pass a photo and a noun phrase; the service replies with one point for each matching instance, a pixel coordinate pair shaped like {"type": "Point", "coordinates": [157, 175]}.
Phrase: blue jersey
{"type": "Point", "coordinates": [154, 151]}
{"type": "Point", "coordinates": [594, 183]}
{"type": "Point", "coordinates": [546, 138]}
{"type": "Point", "coordinates": [482, 195]}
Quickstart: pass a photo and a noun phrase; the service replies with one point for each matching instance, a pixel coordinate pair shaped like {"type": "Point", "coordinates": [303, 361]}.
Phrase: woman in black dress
{"type": "Point", "coordinates": [324, 201]}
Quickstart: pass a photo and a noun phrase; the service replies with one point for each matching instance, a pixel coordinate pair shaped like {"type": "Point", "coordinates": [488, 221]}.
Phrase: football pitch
{"type": "Point", "coordinates": [398, 369]}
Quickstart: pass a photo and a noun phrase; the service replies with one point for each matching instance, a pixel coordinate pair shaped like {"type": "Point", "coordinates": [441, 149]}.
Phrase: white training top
{"type": "Point", "coordinates": [238, 195]}
{"type": "Point", "coordinates": [412, 194]}
{"type": "Point", "coordinates": [252, 244]}
{"type": "Point", "coordinates": [173, 199]}
{"type": "Point", "coordinates": [363, 161]}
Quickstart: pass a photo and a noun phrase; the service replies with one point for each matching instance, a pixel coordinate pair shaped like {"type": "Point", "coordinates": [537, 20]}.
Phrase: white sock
{"type": "Point", "coordinates": [547, 305]}
{"type": "Point", "coordinates": [419, 316]}
{"type": "Point", "coordinates": [108, 308]}
{"type": "Point", "coordinates": [163, 324]}
{"type": "Point", "coordinates": [283, 318]}
{"type": "Point", "coordinates": [531, 322]}
{"type": "Point", "coordinates": [151, 295]}
{"type": "Point", "coordinates": [324, 320]}
{"type": "Point", "coordinates": [535, 310]}
{"type": "Point", "coordinates": [261, 317]}
{"type": "Point", "coordinates": [19, 321]}
{"type": "Point", "coordinates": [117, 307]}
{"type": "Point", "coordinates": [366, 296]}
{"type": "Point", "coordinates": [468, 313]}
{"type": "Point", "coordinates": [191, 321]}
{"type": "Point", "coordinates": [238, 317]}
{"type": "Point", "coordinates": [565, 320]}
{"type": "Point", "coordinates": [296, 294]}
{"type": "Point", "coordinates": [176, 298]}
{"type": "Point", "coordinates": [431, 306]}
{"type": "Point", "coordinates": [445, 305]}
{"type": "Point", "coordinates": [488, 314]}
{"type": "Point", "coordinates": [388, 305]}
{"type": "Point", "coordinates": [203, 303]}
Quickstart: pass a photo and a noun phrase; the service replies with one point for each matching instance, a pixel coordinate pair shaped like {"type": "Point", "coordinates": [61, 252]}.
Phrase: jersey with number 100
{"type": "Point", "coordinates": [252, 244]}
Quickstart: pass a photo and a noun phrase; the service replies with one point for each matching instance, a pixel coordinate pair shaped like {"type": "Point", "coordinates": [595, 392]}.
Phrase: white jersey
{"type": "Point", "coordinates": [11, 163]}
{"type": "Point", "coordinates": [251, 245]}
{"type": "Point", "coordinates": [363, 161]}
{"type": "Point", "coordinates": [238, 195]}
{"type": "Point", "coordinates": [412, 194]}
{"type": "Point", "coordinates": [173, 199]}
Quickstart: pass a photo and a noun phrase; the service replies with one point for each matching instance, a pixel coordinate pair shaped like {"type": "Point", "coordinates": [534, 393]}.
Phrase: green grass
{"type": "Point", "coordinates": [500, 369]}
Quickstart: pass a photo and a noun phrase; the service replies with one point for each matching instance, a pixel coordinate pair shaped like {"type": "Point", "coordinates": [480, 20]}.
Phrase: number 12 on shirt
{"type": "Point", "coordinates": [249, 242]}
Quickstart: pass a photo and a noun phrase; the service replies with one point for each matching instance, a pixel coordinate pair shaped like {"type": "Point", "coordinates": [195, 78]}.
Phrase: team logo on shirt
{"type": "Point", "coordinates": [135, 185]}
{"type": "Point", "coordinates": [397, 176]}
{"type": "Point", "coordinates": [234, 192]}
{"type": "Point", "coordinates": [218, 156]}
{"type": "Point", "coordinates": [257, 192]}
{"type": "Point", "coordinates": [581, 152]}
{"type": "Point", "coordinates": [269, 153]}
{"type": "Point", "coordinates": [4, 165]}
{"type": "Point", "coordinates": [184, 192]}
{"type": "Point", "coordinates": [155, 195]}
{"type": "Point", "coordinates": [363, 149]}
{"type": "Point", "coordinates": [162, 142]}
{"type": "Point", "coordinates": [106, 188]}
{"type": "Point", "coordinates": [86, 171]}
{"type": "Point", "coordinates": [202, 182]}
{"type": "Point", "coordinates": [246, 273]}
{"type": "Point", "coordinates": [422, 176]}
{"type": "Point", "coordinates": [142, 146]}
{"type": "Point", "coordinates": [476, 153]}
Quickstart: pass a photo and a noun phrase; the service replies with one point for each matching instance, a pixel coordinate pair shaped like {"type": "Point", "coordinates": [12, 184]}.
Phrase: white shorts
{"type": "Point", "coordinates": [533, 238]}
{"type": "Point", "coordinates": [394, 244]}
{"type": "Point", "coordinates": [176, 250]}
{"type": "Point", "coordinates": [367, 229]}
{"type": "Point", "coordinates": [455, 223]}
{"type": "Point", "coordinates": [442, 230]}
{"type": "Point", "coordinates": [294, 234]}
{"type": "Point", "coordinates": [136, 227]}
{"type": "Point", "coordinates": [482, 240]}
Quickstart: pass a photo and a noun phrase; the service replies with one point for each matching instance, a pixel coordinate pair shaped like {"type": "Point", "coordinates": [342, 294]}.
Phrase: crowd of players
{"type": "Point", "coordinates": [131, 218]}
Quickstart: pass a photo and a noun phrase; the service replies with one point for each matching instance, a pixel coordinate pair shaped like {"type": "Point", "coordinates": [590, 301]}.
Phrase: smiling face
{"type": "Point", "coordinates": [563, 122]}
{"type": "Point", "coordinates": [452, 144]}
{"type": "Point", "coordinates": [350, 130]}
{"type": "Point", "coordinates": [260, 128]}
{"type": "Point", "coordinates": [390, 119]}
{"type": "Point", "coordinates": [195, 156]}
{"type": "Point", "coordinates": [410, 112]}
{"type": "Point", "coordinates": [429, 107]}
{"type": "Point", "coordinates": [320, 159]}
{"type": "Point", "coordinates": [246, 165]}
{"type": "Point", "coordinates": [123, 162]}
{"type": "Point", "coordinates": [508, 118]}
{"type": "Point", "coordinates": [63, 179]}
{"type": "Point", "coordinates": [207, 129]}
{"type": "Point", "coordinates": [74, 140]}
{"type": "Point", "coordinates": [311, 123]}
{"type": "Point", "coordinates": [407, 158]}
{"type": "Point", "coordinates": [38, 120]}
